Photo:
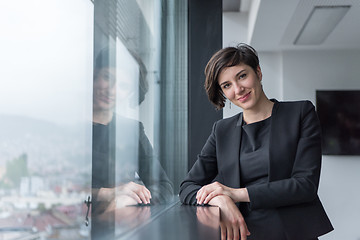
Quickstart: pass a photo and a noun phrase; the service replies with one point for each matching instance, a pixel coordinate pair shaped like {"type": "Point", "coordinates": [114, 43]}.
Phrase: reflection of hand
{"type": "Point", "coordinates": [120, 202]}
{"type": "Point", "coordinates": [136, 191]}
{"type": "Point", "coordinates": [207, 192]}
{"type": "Point", "coordinates": [232, 223]}
{"type": "Point", "coordinates": [126, 217]}
{"type": "Point", "coordinates": [208, 216]}
{"type": "Point", "coordinates": [126, 194]}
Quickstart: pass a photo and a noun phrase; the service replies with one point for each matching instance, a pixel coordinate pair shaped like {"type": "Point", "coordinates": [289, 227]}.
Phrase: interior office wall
{"type": "Point", "coordinates": [235, 27]}
{"type": "Point", "coordinates": [272, 79]}
{"type": "Point", "coordinates": [304, 72]}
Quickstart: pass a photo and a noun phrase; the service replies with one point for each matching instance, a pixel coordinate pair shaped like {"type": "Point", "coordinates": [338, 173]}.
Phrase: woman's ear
{"type": "Point", "coordinates": [259, 73]}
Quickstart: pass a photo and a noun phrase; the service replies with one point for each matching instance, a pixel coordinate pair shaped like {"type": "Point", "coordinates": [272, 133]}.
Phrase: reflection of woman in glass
{"type": "Point", "coordinates": [124, 169]}
{"type": "Point", "coordinates": [262, 166]}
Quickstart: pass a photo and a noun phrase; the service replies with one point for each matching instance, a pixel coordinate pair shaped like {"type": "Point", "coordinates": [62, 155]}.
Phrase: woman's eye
{"type": "Point", "coordinates": [227, 85]}
{"type": "Point", "coordinates": [242, 76]}
{"type": "Point", "coordinates": [105, 76]}
{"type": "Point", "coordinates": [108, 77]}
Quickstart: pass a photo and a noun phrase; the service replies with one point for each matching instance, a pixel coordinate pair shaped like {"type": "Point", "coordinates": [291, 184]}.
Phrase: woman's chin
{"type": "Point", "coordinates": [103, 106]}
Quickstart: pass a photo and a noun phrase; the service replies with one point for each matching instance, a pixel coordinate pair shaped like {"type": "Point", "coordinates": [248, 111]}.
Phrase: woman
{"type": "Point", "coordinates": [262, 166]}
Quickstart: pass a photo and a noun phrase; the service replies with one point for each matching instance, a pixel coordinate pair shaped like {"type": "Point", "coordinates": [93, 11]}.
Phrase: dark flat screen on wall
{"type": "Point", "coordinates": [339, 114]}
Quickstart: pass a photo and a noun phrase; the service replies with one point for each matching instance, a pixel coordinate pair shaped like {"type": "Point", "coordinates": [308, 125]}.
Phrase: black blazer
{"type": "Point", "coordinates": [294, 168]}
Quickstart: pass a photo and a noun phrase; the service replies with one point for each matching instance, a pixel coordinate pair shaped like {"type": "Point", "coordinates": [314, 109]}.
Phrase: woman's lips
{"type": "Point", "coordinates": [106, 99]}
{"type": "Point", "coordinates": [244, 98]}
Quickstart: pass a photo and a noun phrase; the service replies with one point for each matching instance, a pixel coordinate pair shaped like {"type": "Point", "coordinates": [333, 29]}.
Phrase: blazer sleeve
{"type": "Point", "coordinates": [203, 171]}
{"type": "Point", "coordinates": [302, 184]}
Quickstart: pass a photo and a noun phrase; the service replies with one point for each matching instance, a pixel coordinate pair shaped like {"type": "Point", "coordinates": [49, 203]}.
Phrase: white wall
{"type": "Point", "coordinates": [306, 71]}
{"type": "Point", "coordinates": [235, 27]}
{"type": "Point", "coordinates": [303, 73]}
{"type": "Point", "coordinates": [272, 70]}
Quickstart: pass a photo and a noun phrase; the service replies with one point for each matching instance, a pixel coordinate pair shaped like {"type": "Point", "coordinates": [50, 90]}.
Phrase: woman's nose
{"type": "Point", "coordinates": [238, 88]}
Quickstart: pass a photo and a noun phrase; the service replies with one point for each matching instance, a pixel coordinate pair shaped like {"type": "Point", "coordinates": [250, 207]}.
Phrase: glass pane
{"type": "Point", "coordinates": [139, 113]}
{"type": "Point", "coordinates": [45, 118]}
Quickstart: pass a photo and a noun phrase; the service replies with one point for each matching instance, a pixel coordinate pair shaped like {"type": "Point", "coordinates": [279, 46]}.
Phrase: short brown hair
{"type": "Point", "coordinates": [224, 58]}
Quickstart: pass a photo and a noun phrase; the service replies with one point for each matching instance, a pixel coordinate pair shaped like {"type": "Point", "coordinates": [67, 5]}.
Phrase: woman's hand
{"type": "Point", "coordinates": [232, 223]}
{"type": "Point", "coordinates": [208, 192]}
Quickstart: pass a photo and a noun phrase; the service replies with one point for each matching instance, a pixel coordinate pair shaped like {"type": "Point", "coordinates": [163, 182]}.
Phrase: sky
{"type": "Point", "coordinates": [46, 59]}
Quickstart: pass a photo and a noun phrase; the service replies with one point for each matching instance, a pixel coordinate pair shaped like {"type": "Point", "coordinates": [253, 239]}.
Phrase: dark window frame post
{"type": "Point", "coordinates": [204, 39]}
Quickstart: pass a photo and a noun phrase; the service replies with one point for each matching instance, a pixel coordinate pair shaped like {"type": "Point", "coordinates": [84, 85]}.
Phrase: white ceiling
{"type": "Point", "coordinates": [278, 23]}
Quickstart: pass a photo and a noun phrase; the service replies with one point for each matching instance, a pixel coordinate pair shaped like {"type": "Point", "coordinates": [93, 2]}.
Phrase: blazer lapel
{"type": "Point", "coordinates": [278, 146]}
{"type": "Point", "coordinates": [273, 140]}
{"type": "Point", "coordinates": [232, 159]}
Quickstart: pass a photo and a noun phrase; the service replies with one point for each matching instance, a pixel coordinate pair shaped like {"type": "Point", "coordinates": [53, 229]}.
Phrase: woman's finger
{"type": "Point", "coordinates": [244, 232]}
{"type": "Point", "coordinates": [229, 232]}
{"type": "Point", "coordinates": [236, 233]}
{"type": "Point", "coordinates": [198, 193]}
{"type": "Point", "coordinates": [147, 195]}
{"type": "Point", "coordinates": [142, 197]}
{"type": "Point", "coordinates": [134, 196]}
{"type": "Point", "coordinates": [223, 231]}
{"type": "Point", "coordinates": [202, 195]}
{"type": "Point", "coordinates": [213, 194]}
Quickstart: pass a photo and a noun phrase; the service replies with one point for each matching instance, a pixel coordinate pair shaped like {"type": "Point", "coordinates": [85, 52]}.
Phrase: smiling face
{"type": "Point", "coordinates": [113, 86]}
{"type": "Point", "coordinates": [242, 86]}
{"type": "Point", "coordinates": [104, 89]}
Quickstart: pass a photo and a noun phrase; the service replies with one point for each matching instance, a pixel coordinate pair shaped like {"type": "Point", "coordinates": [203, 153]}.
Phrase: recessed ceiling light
{"type": "Point", "coordinates": [320, 23]}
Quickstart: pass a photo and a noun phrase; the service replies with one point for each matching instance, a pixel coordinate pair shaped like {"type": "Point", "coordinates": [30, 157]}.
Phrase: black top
{"type": "Point", "coordinates": [254, 168]}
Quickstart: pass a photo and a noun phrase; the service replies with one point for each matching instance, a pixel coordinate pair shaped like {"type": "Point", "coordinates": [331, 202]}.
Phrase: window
{"type": "Point", "coordinates": [139, 111]}
{"type": "Point", "coordinates": [93, 103]}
